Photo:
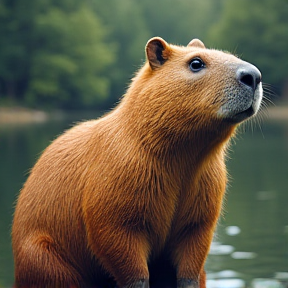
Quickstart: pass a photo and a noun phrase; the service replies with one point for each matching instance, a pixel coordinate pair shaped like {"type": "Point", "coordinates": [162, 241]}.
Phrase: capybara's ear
{"type": "Point", "coordinates": [157, 52]}
{"type": "Point", "coordinates": [196, 43]}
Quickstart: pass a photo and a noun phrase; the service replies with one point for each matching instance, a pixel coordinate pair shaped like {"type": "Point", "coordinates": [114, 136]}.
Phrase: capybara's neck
{"type": "Point", "coordinates": [181, 148]}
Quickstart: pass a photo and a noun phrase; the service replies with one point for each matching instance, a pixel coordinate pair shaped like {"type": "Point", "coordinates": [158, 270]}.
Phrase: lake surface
{"type": "Point", "coordinates": [250, 248]}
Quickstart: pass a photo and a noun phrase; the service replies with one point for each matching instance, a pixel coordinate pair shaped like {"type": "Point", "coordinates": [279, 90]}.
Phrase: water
{"type": "Point", "coordinates": [252, 237]}
{"type": "Point", "coordinates": [250, 248]}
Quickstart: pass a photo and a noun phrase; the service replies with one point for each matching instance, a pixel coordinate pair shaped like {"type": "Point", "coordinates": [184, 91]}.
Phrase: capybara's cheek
{"type": "Point", "coordinates": [242, 96]}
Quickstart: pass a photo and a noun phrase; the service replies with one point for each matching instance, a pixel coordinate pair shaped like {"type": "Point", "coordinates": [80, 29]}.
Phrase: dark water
{"type": "Point", "coordinates": [251, 245]}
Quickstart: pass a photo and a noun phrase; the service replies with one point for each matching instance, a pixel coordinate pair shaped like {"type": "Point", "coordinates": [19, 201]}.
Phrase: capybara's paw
{"type": "Point", "coordinates": [142, 283]}
{"type": "Point", "coordinates": [187, 283]}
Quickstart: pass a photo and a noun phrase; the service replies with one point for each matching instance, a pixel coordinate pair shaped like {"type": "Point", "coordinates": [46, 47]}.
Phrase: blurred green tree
{"type": "Point", "coordinates": [128, 28]}
{"type": "Point", "coordinates": [78, 54]}
{"type": "Point", "coordinates": [15, 39]}
{"type": "Point", "coordinates": [69, 60]}
{"type": "Point", "coordinates": [59, 58]}
{"type": "Point", "coordinates": [179, 21]}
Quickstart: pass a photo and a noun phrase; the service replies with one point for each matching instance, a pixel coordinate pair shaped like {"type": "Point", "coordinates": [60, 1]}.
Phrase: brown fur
{"type": "Point", "coordinates": [146, 181]}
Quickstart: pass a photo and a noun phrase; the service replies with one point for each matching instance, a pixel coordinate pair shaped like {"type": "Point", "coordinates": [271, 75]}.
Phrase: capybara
{"type": "Point", "coordinates": [136, 195]}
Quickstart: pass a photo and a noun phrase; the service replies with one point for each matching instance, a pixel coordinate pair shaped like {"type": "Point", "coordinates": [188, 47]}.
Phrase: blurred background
{"type": "Point", "coordinates": [68, 60]}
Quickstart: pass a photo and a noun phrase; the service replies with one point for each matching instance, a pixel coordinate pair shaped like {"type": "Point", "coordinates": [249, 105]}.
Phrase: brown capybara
{"type": "Point", "coordinates": [135, 195]}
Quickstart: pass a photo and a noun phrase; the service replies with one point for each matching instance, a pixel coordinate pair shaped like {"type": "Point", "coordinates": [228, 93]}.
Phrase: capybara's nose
{"type": "Point", "coordinates": [249, 76]}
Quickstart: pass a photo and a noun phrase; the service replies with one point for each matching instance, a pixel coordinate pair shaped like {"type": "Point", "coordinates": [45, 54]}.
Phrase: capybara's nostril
{"type": "Point", "coordinates": [249, 76]}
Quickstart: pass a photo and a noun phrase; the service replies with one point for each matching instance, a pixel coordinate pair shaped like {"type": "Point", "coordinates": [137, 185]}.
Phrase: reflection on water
{"type": "Point", "coordinates": [250, 248]}
{"type": "Point", "coordinates": [252, 240]}
{"type": "Point", "coordinates": [19, 148]}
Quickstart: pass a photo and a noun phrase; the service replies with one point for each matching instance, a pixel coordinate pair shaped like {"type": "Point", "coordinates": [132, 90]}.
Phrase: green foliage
{"type": "Point", "coordinates": [179, 21]}
{"type": "Point", "coordinates": [129, 30]}
{"type": "Point", "coordinates": [81, 54]}
{"type": "Point", "coordinates": [66, 67]}
{"type": "Point", "coordinates": [59, 60]}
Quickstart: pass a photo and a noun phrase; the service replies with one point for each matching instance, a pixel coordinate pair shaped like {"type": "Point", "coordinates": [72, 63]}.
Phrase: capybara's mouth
{"type": "Point", "coordinates": [240, 110]}
{"type": "Point", "coordinates": [241, 116]}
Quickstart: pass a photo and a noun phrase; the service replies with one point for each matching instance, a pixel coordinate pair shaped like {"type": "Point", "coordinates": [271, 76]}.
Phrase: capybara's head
{"type": "Point", "coordinates": [191, 88]}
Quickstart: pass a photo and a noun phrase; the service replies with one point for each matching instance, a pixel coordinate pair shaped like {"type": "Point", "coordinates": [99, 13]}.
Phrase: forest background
{"type": "Point", "coordinates": [73, 54]}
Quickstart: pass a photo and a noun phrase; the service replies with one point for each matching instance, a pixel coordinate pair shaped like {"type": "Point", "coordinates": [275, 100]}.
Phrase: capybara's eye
{"type": "Point", "coordinates": [196, 65]}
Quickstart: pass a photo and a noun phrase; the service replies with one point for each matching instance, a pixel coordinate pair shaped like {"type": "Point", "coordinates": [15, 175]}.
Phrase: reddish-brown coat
{"type": "Point", "coordinates": [146, 178]}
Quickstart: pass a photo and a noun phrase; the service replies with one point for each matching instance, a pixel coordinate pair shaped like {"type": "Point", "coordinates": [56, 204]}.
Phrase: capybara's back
{"type": "Point", "coordinates": [132, 199]}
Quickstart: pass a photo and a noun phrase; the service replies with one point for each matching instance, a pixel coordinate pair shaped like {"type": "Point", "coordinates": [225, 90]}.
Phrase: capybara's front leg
{"type": "Point", "coordinates": [190, 257]}
{"type": "Point", "coordinates": [188, 283]}
{"type": "Point", "coordinates": [123, 254]}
